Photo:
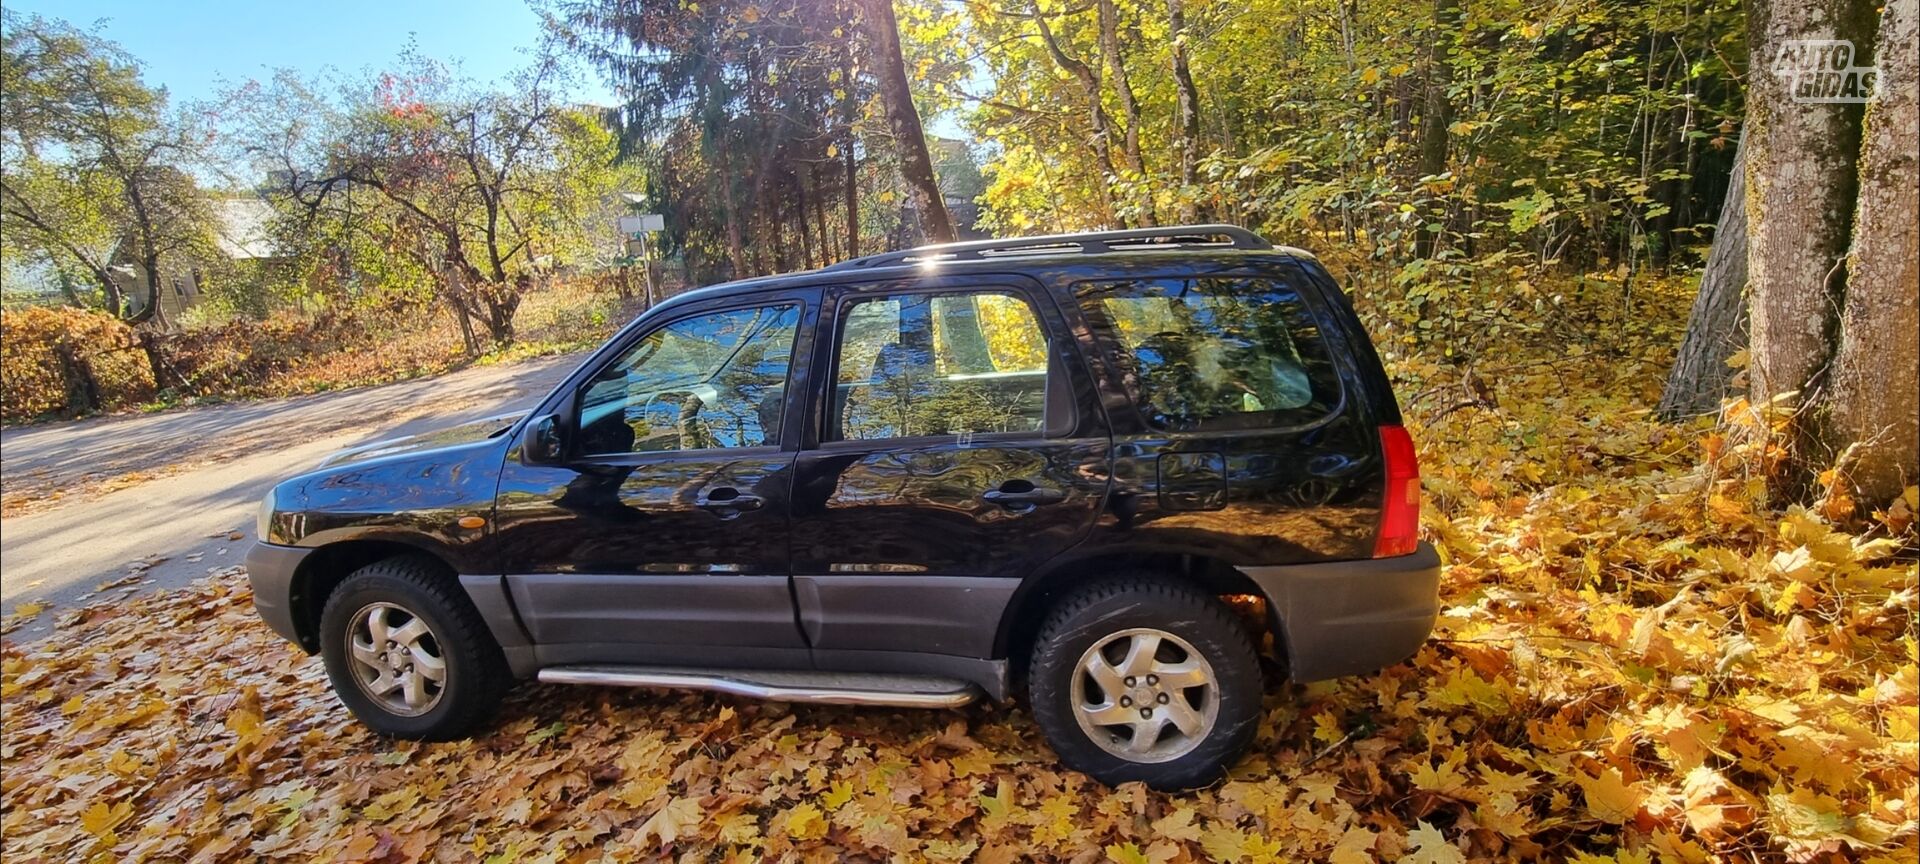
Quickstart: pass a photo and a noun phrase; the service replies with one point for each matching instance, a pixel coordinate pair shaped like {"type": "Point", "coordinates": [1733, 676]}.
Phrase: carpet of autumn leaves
{"type": "Point", "coordinates": [1640, 659]}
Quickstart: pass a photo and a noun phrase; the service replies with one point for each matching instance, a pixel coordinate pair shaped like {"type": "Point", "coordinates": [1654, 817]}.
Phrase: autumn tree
{"type": "Point", "coordinates": [95, 164]}
{"type": "Point", "coordinates": [903, 119]}
{"type": "Point", "coordinates": [1093, 92]}
{"type": "Point", "coordinates": [1831, 249]}
{"type": "Point", "coordinates": [482, 188]}
{"type": "Point", "coordinates": [1875, 402]}
{"type": "Point", "coordinates": [769, 134]}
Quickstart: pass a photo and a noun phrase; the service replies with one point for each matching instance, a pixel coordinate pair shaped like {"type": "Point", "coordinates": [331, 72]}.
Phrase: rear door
{"type": "Point", "coordinates": [1233, 429]}
{"type": "Point", "coordinates": [953, 447]}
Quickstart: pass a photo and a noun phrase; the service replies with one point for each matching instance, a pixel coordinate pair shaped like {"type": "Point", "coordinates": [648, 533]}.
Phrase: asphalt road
{"type": "Point", "coordinates": [210, 467]}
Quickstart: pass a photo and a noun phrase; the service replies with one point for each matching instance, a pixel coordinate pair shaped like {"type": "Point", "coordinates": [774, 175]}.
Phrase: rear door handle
{"type": "Point", "coordinates": [1026, 497]}
{"type": "Point", "coordinates": [727, 500]}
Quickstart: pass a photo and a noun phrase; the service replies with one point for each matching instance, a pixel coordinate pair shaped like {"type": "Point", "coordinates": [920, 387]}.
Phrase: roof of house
{"type": "Point", "coordinates": [241, 228]}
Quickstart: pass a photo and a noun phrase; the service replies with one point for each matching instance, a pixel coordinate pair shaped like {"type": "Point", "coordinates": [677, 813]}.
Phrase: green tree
{"type": "Point", "coordinates": [95, 163]}
{"type": "Point", "coordinates": [482, 190]}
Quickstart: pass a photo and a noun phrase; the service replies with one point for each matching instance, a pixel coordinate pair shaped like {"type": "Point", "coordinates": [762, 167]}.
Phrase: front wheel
{"type": "Point", "coordinates": [1143, 679]}
{"type": "Point", "coordinates": [408, 654]}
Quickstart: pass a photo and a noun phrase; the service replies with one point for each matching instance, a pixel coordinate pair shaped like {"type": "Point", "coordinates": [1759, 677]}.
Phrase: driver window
{"type": "Point", "coordinates": [711, 381]}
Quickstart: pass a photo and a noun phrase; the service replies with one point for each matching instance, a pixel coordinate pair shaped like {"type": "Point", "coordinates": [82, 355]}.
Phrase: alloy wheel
{"type": "Point", "coordinates": [395, 659]}
{"type": "Point", "coordinates": [1145, 695]}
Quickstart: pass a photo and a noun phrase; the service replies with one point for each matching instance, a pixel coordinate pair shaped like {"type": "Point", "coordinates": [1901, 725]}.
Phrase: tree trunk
{"type": "Point", "coordinates": [1437, 117]}
{"type": "Point", "coordinates": [159, 365]}
{"type": "Point", "coordinates": [1717, 326]}
{"type": "Point", "coordinates": [1800, 194]}
{"type": "Point", "coordinates": [503, 299]}
{"type": "Point", "coordinates": [916, 167]}
{"type": "Point", "coordinates": [720, 135]}
{"type": "Point", "coordinates": [1187, 127]}
{"type": "Point", "coordinates": [1089, 80]}
{"type": "Point", "coordinates": [852, 190]}
{"type": "Point", "coordinates": [1129, 106]}
{"type": "Point", "coordinates": [83, 391]}
{"type": "Point", "coordinates": [781, 262]}
{"type": "Point", "coordinates": [151, 309]}
{"type": "Point", "coordinates": [1670, 192]}
{"type": "Point", "coordinates": [800, 221]}
{"type": "Point", "coordinates": [1874, 402]}
{"type": "Point", "coordinates": [457, 300]}
{"type": "Point", "coordinates": [853, 203]}
{"type": "Point", "coordinates": [827, 252]}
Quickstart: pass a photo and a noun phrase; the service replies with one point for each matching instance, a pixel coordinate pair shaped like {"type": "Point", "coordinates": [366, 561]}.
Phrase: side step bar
{"type": "Point", "coordinates": [820, 688]}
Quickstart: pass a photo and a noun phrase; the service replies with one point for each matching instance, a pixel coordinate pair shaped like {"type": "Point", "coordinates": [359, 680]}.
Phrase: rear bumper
{"type": "Point", "coordinates": [271, 570]}
{"type": "Point", "coordinates": [1352, 617]}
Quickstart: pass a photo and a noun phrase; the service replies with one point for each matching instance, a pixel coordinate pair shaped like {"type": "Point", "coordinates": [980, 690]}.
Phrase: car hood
{"type": "Point", "coordinates": [450, 436]}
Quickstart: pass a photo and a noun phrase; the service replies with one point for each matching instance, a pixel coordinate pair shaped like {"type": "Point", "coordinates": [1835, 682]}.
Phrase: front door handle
{"type": "Point", "coordinates": [727, 501]}
{"type": "Point", "coordinates": [1024, 497]}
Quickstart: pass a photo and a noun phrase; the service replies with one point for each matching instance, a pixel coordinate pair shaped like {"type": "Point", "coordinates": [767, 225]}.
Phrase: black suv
{"type": "Point", "coordinates": [1108, 466]}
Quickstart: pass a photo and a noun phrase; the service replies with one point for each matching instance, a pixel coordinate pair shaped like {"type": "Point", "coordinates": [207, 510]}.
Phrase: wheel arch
{"type": "Point", "coordinates": [1020, 622]}
{"type": "Point", "coordinates": [329, 565]}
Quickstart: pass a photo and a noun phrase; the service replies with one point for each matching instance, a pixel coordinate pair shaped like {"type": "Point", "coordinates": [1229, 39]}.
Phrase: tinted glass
{"type": "Point", "coordinates": [716, 380]}
{"type": "Point", "coordinates": [1215, 353]}
{"type": "Point", "coordinates": [939, 364]}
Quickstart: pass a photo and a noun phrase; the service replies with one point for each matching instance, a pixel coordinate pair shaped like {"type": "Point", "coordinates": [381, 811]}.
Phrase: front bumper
{"type": "Point", "coordinates": [271, 568]}
{"type": "Point", "coordinates": [1352, 617]}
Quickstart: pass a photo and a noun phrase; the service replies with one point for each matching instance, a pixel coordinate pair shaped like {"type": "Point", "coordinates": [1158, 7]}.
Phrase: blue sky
{"type": "Point", "coordinates": [197, 48]}
{"type": "Point", "coordinates": [189, 47]}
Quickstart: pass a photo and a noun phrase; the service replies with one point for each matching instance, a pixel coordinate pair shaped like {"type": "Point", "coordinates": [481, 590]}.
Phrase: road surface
{"type": "Point", "coordinates": [209, 468]}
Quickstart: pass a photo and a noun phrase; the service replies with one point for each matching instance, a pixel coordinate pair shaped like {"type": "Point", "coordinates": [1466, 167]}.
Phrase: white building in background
{"type": "Point", "coordinates": [242, 234]}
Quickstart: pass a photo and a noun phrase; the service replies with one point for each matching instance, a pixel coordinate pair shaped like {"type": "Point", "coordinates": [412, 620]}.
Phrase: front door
{"type": "Point", "coordinates": [664, 533]}
{"type": "Point", "coordinates": [949, 455]}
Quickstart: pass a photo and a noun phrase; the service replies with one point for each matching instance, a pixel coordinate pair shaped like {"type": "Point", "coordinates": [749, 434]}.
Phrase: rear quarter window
{"type": "Point", "coordinates": [1214, 353]}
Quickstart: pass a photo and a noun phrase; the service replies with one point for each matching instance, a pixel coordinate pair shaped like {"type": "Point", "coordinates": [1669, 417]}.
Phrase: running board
{"type": "Point", "coordinates": [819, 688]}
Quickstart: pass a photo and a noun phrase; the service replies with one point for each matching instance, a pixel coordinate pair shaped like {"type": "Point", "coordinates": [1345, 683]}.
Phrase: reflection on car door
{"type": "Point", "coordinates": [952, 452]}
{"type": "Point", "coordinates": [664, 535]}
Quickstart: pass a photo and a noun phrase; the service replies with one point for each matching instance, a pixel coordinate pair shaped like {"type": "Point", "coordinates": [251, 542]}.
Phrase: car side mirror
{"type": "Point", "coordinates": [545, 443]}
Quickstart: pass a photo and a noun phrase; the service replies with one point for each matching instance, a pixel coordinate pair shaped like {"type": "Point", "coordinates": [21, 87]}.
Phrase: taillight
{"type": "Point", "coordinates": [1400, 511]}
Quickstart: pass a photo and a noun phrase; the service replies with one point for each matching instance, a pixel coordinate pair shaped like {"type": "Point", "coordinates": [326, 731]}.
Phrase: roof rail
{"type": "Point", "coordinates": [1087, 243]}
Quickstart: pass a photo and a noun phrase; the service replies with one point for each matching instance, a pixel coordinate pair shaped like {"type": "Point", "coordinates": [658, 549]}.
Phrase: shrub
{"type": "Point", "coordinates": [65, 362]}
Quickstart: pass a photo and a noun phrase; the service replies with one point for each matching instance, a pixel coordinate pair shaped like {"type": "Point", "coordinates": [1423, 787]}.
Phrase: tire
{"type": "Point", "coordinates": [1116, 616]}
{"type": "Point", "coordinates": [474, 675]}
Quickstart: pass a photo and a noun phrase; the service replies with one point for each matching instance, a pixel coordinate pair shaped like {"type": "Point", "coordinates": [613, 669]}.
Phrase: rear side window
{"type": "Point", "coordinates": [913, 365]}
{"type": "Point", "coordinates": [1214, 353]}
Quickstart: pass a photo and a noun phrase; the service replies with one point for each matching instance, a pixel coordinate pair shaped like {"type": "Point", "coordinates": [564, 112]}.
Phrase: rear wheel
{"type": "Point", "coordinates": [1142, 679]}
{"type": "Point", "coordinates": [408, 654]}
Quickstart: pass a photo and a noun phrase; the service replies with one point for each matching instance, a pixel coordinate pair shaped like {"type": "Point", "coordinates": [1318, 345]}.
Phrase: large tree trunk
{"type": "Point", "coordinates": [1187, 125]}
{"type": "Point", "coordinates": [1800, 196]}
{"type": "Point", "coordinates": [1717, 327]}
{"type": "Point", "coordinates": [916, 167]}
{"type": "Point", "coordinates": [1129, 106]}
{"type": "Point", "coordinates": [1874, 389]}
